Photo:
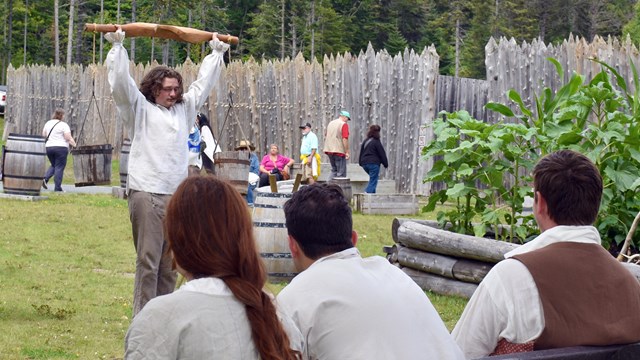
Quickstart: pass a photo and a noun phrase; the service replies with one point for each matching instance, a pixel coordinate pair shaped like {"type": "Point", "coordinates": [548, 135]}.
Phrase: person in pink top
{"type": "Point", "coordinates": [274, 163]}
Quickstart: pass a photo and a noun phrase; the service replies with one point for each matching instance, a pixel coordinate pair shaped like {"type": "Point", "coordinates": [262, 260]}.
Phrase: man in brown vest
{"type": "Point", "coordinates": [336, 145]}
{"type": "Point", "coordinates": [562, 288]}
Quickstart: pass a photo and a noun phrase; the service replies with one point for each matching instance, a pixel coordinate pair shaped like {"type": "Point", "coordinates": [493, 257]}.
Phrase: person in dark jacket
{"type": "Point", "coordinates": [372, 154]}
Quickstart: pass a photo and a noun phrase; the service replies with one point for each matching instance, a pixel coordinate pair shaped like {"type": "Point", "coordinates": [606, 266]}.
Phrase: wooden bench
{"type": "Point", "coordinates": [392, 204]}
{"type": "Point", "coordinates": [359, 178]}
{"type": "Point", "coordinates": [614, 352]}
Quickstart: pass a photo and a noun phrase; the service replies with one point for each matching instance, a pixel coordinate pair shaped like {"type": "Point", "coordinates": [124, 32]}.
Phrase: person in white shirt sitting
{"type": "Point", "coordinates": [346, 306]}
{"type": "Point", "coordinates": [562, 288]}
{"type": "Point", "coordinates": [222, 312]}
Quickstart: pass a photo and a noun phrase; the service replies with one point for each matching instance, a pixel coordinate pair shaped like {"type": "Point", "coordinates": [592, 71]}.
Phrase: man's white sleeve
{"type": "Point", "coordinates": [123, 88]}
{"type": "Point", "coordinates": [506, 305]}
{"type": "Point", "coordinates": [208, 74]}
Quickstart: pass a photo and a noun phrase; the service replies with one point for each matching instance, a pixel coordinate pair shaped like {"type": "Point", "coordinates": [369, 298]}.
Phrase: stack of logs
{"type": "Point", "coordinates": [444, 262]}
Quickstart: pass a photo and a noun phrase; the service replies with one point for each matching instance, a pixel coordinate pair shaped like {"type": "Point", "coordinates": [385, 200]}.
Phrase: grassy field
{"type": "Point", "coordinates": [66, 278]}
{"type": "Point", "coordinates": [66, 274]}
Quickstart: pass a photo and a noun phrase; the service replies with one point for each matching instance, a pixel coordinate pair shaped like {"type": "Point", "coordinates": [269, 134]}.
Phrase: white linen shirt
{"type": "Point", "coordinates": [159, 155]}
{"type": "Point", "coordinates": [201, 320]}
{"type": "Point", "coordinates": [348, 307]}
{"type": "Point", "coordinates": [507, 305]}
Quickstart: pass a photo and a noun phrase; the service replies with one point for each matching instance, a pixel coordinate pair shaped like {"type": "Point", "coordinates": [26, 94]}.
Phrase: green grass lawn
{"type": "Point", "coordinates": [67, 267]}
{"type": "Point", "coordinates": [66, 274]}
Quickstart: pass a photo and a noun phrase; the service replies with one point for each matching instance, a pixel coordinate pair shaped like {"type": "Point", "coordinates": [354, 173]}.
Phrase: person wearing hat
{"type": "Point", "coordinates": [336, 144]}
{"type": "Point", "coordinates": [309, 154]}
{"type": "Point", "coordinates": [254, 168]}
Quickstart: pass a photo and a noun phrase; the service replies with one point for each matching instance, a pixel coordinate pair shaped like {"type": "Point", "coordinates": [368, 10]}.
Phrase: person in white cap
{"type": "Point", "coordinates": [336, 144]}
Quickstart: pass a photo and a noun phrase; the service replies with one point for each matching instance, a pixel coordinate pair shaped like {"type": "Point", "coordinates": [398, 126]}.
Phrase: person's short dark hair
{"type": "Point", "coordinates": [571, 185]}
{"type": "Point", "coordinates": [151, 84]}
{"type": "Point", "coordinates": [374, 132]}
{"type": "Point", "coordinates": [318, 217]}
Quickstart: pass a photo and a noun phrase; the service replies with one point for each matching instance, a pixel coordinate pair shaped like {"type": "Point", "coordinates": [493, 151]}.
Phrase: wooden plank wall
{"type": "Point", "coordinates": [525, 68]}
{"type": "Point", "coordinates": [456, 93]}
{"type": "Point", "coordinates": [270, 100]}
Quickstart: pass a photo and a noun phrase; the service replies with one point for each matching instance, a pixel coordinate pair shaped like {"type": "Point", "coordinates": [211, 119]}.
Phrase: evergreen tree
{"type": "Point", "coordinates": [396, 43]}
{"type": "Point", "coordinates": [264, 32]}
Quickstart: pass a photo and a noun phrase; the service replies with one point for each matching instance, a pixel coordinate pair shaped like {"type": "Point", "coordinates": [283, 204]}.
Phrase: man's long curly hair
{"type": "Point", "coordinates": [151, 84]}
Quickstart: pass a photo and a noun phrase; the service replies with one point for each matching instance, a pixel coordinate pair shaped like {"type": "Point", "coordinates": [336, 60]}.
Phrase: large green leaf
{"type": "Point", "coordinates": [623, 179]}
{"type": "Point", "coordinates": [453, 156]}
{"type": "Point", "coordinates": [558, 66]}
{"type": "Point", "coordinates": [458, 190]}
{"type": "Point", "coordinates": [515, 97]}
{"type": "Point", "coordinates": [499, 108]}
{"type": "Point", "coordinates": [434, 198]}
{"type": "Point", "coordinates": [464, 170]}
{"type": "Point", "coordinates": [569, 138]}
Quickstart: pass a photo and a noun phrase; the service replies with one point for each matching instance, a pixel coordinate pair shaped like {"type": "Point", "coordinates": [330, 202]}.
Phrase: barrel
{"type": "Point", "coordinates": [92, 165]}
{"type": "Point", "coordinates": [124, 162]}
{"type": "Point", "coordinates": [24, 162]}
{"type": "Point", "coordinates": [270, 231]}
{"type": "Point", "coordinates": [233, 166]}
{"type": "Point", "coordinates": [345, 184]}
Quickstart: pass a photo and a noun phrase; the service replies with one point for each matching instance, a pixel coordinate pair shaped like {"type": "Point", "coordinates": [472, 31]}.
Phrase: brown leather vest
{"type": "Point", "coordinates": [588, 298]}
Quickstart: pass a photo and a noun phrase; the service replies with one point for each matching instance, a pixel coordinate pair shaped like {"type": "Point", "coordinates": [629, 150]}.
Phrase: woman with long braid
{"type": "Point", "coordinates": [222, 311]}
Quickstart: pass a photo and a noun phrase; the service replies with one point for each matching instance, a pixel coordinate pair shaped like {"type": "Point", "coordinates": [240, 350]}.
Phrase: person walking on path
{"type": "Point", "coordinates": [160, 115]}
{"type": "Point", "coordinates": [58, 138]}
{"type": "Point", "coordinates": [372, 154]}
{"type": "Point", "coordinates": [336, 144]}
{"type": "Point", "coordinates": [309, 154]}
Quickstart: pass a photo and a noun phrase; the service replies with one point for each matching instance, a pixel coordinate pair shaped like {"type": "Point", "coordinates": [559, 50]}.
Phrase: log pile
{"type": "Point", "coordinates": [444, 262]}
{"type": "Point", "coordinates": [441, 261]}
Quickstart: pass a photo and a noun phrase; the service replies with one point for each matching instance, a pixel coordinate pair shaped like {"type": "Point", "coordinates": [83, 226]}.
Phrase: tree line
{"type": "Point", "coordinates": [51, 31]}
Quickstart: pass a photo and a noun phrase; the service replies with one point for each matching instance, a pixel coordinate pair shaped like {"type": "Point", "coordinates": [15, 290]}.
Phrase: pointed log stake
{"type": "Point", "coordinates": [273, 183]}
{"type": "Point", "coordinates": [296, 183]}
{"type": "Point", "coordinates": [179, 33]}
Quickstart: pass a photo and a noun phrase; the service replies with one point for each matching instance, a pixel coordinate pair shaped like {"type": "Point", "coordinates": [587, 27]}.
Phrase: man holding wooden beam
{"type": "Point", "coordinates": [159, 116]}
{"type": "Point", "coordinates": [561, 289]}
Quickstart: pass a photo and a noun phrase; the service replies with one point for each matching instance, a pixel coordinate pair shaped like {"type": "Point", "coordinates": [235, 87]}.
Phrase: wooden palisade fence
{"type": "Point", "coordinates": [401, 93]}
{"type": "Point", "coordinates": [524, 67]}
{"type": "Point", "coordinates": [270, 100]}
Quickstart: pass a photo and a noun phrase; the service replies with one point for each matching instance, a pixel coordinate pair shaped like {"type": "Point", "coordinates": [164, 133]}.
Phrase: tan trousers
{"type": "Point", "coordinates": [154, 274]}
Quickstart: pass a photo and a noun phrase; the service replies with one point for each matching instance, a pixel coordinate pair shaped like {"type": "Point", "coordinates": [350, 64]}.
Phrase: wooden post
{"type": "Point", "coordinates": [296, 183]}
{"type": "Point", "coordinates": [273, 183]}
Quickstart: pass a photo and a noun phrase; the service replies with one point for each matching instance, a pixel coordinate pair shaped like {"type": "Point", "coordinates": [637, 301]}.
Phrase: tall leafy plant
{"type": "Point", "coordinates": [474, 173]}
{"type": "Point", "coordinates": [599, 118]}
